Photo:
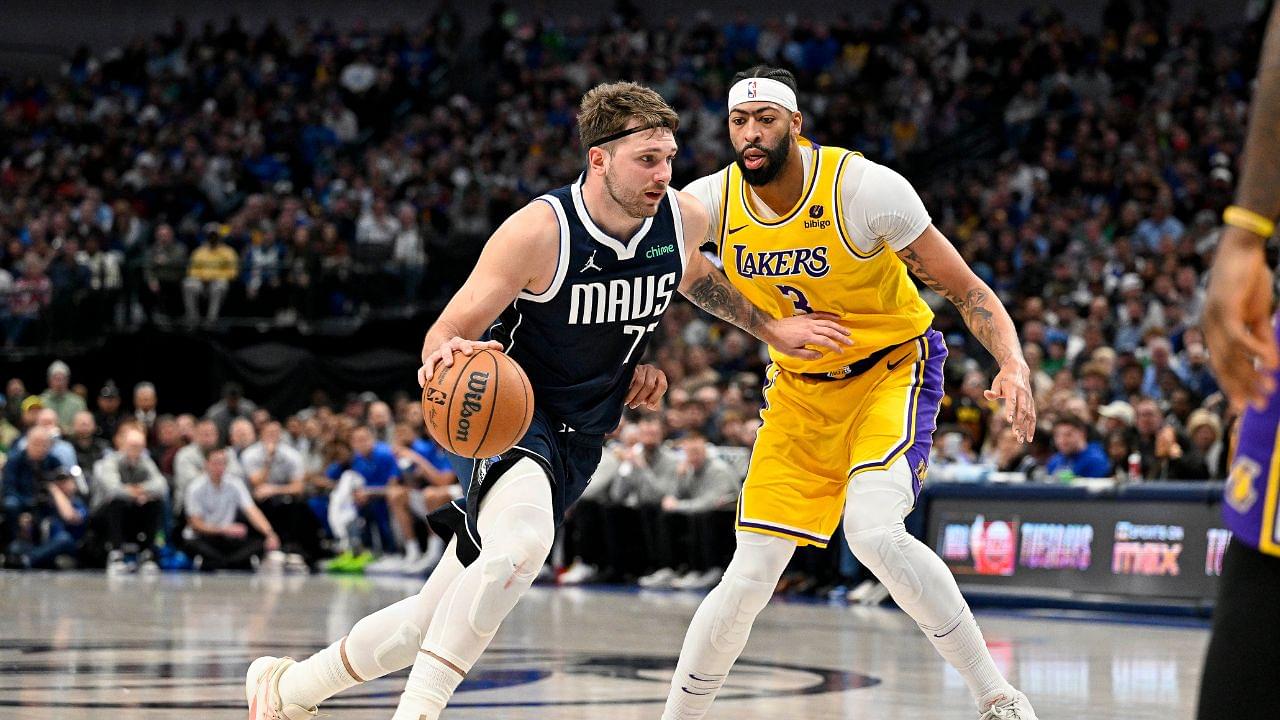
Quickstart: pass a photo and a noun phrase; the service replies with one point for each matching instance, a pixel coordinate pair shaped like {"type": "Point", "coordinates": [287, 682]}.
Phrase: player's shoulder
{"type": "Point", "coordinates": [708, 189]}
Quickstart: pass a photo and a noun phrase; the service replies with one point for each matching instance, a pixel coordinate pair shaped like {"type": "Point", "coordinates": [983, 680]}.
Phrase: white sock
{"type": "Point", "coordinates": [320, 676]}
{"type": "Point", "coordinates": [959, 641]}
{"type": "Point", "coordinates": [412, 551]}
{"type": "Point", "coordinates": [380, 643]}
{"type": "Point", "coordinates": [431, 684]}
{"type": "Point", "coordinates": [435, 547]}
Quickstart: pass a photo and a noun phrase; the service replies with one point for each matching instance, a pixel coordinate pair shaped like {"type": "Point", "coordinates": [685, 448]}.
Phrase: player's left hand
{"type": "Point", "coordinates": [648, 385]}
{"type": "Point", "coordinates": [1013, 385]}
{"type": "Point", "coordinates": [1237, 321]}
{"type": "Point", "coordinates": [799, 334]}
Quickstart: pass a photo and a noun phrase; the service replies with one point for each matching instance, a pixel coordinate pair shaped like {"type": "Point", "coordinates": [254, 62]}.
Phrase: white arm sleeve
{"type": "Point", "coordinates": [880, 205]}
{"type": "Point", "coordinates": [710, 192]}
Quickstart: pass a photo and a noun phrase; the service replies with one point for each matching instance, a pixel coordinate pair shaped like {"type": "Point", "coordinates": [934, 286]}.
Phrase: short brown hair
{"type": "Point", "coordinates": [608, 108]}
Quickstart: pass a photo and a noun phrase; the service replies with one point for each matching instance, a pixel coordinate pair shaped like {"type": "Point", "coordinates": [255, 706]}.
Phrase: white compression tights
{"type": "Point", "coordinates": [517, 530]}
{"type": "Point", "coordinates": [915, 576]}
{"type": "Point", "coordinates": [719, 630]}
{"type": "Point", "coordinates": [389, 639]}
{"type": "Point", "coordinates": [918, 580]}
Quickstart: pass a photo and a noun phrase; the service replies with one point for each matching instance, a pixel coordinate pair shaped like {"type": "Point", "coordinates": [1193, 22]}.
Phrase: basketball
{"type": "Point", "coordinates": [480, 407]}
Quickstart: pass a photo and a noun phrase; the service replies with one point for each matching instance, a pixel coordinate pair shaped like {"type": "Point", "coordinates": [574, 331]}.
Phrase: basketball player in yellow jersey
{"type": "Point", "coordinates": [808, 229]}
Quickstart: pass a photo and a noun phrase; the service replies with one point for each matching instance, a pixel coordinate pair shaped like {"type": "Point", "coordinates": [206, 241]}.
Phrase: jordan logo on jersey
{"type": "Point", "coordinates": [591, 263]}
{"type": "Point", "coordinates": [620, 300]}
{"type": "Point", "coordinates": [781, 263]}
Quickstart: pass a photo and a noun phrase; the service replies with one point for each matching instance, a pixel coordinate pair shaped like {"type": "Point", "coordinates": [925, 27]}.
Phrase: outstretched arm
{"type": "Point", "coordinates": [708, 288]}
{"type": "Point", "coordinates": [1237, 311]}
{"type": "Point", "coordinates": [933, 259]}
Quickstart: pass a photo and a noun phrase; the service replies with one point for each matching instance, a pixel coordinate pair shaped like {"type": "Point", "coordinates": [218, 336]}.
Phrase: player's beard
{"type": "Point", "coordinates": [774, 158]}
{"type": "Point", "coordinates": [633, 204]}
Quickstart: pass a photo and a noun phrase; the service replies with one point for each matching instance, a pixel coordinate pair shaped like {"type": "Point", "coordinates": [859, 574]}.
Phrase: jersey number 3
{"type": "Point", "coordinates": [797, 298]}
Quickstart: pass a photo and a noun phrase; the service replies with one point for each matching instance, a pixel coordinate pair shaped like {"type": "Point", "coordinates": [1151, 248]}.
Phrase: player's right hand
{"type": "Point", "coordinates": [444, 354]}
{"type": "Point", "coordinates": [799, 334]}
{"type": "Point", "coordinates": [1237, 320]}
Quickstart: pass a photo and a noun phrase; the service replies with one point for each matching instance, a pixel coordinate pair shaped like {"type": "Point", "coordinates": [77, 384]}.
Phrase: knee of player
{"type": "Point", "coordinates": [760, 558]}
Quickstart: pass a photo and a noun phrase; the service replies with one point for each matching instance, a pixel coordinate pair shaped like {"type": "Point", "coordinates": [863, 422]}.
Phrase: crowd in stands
{"type": "Point", "coordinates": [273, 173]}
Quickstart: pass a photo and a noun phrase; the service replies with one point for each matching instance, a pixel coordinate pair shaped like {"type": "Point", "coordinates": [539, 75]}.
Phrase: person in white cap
{"type": "Point", "coordinates": [806, 229]}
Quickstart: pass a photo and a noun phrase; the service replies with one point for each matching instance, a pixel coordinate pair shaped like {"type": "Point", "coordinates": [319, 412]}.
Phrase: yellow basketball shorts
{"type": "Point", "coordinates": [818, 435]}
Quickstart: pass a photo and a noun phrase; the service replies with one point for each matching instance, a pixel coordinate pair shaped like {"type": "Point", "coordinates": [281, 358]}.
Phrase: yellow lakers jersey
{"type": "Point", "coordinates": [805, 261]}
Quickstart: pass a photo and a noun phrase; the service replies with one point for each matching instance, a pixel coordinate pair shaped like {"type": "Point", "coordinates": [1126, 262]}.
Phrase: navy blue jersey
{"type": "Point", "coordinates": [581, 339]}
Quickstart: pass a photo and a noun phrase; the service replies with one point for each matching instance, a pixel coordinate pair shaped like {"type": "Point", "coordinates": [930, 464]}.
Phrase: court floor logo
{"type": "Point", "coordinates": [190, 673]}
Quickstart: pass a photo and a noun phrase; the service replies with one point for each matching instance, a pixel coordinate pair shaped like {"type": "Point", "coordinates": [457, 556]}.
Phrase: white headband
{"type": "Point", "coordinates": [762, 90]}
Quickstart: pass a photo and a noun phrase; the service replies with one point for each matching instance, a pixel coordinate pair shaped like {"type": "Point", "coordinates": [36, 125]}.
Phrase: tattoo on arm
{"type": "Point", "coordinates": [713, 293]}
{"type": "Point", "coordinates": [973, 306]}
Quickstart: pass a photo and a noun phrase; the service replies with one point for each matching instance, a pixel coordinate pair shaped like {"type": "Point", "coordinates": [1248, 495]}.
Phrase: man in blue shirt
{"type": "Point", "coordinates": [1076, 456]}
{"type": "Point", "coordinates": [26, 473]}
{"type": "Point", "coordinates": [376, 463]}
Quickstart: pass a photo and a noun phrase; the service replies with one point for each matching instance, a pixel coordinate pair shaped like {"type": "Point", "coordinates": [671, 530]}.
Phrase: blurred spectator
{"type": "Point", "coordinates": [380, 422]}
{"type": "Point", "coordinates": [26, 471]}
{"type": "Point", "coordinates": [689, 537]}
{"type": "Point", "coordinates": [218, 509]}
{"type": "Point", "coordinates": [108, 415]}
{"type": "Point", "coordinates": [190, 461]}
{"type": "Point", "coordinates": [15, 392]}
{"type": "Point", "coordinates": [144, 408]}
{"type": "Point", "coordinates": [212, 267]}
{"type": "Point", "coordinates": [31, 295]}
{"type": "Point", "coordinates": [276, 473]}
{"type": "Point", "coordinates": [128, 502]}
{"type": "Point", "coordinates": [1204, 430]}
{"type": "Point", "coordinates": [241, 437]}
{"type": "Point", "coordinates": [1076, 456]}
{"type": "Point", "coordinates": [59, 397]}
{"type": "Point", "coordinates": [168, 443]}
{"type": "Point", "coordinates": [232, 405]}
{"type": "Point", "coordinates": [56, 535]}
{"type": "Point", "coordinates": [88, 445]}
{"type": "Point", "coordinates": [375, 463]}
{"type": "Point", "coordinates": [164, 268]}
{"type": "Point", "coordinates": [1163, 448]}
{"type": "Point", "coordinates": [60, 448]}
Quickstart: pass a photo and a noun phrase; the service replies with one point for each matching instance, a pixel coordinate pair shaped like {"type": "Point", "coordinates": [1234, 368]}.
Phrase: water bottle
{"type": "Point", "coordinates": [1135, 467]}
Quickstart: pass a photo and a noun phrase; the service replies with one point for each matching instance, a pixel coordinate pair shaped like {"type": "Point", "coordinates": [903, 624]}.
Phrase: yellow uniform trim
{"type": "Point", "coordinates": [810, 184]}
{"type": "Point", "coordinates": [1267, 543]}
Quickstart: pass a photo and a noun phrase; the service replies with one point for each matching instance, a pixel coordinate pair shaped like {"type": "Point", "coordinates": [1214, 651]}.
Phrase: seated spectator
{"type": "Point", "coordinates": [429, 483]}
{"type": "Point", "coordinates": [26, 471]}
{"type": "Point", "coordinates": [232, 405]}
{"type": "Point", "coordinates": [89, 448]}
{"type": "Point", "coordinates": [31, 296]}
{"type": "Point", "coordinates": [1162, 447]}
{"type": "Point", "coordinates": [108, 415]}
{"type": "Point", "coordinates": [218, 508]}
{"type": "Point", "coordinates": [241, 438]}
{"type": "Point", "coordinates": [59, 398]}
{"type": "Point", "coordinates": [212, 268]}
{"type": "Point", "coordinates": [276, 481]}
{"type": "Point", "coordinates": [1076, 456]}
{"type": "Point", "coordinates": [61, 449]}
{"type": "Point", "coordinates": [144, 408]}
{"type": "Point", "coordinates": [692, 529]}
{"type": "Point", "coordinates": [1205, 431]}
{"type": "Point", "coordinates": [168, 443]}
{"type": "Point", "coordinates": [376, 465]}
{"type": "Point", "coordinates": [189, 462]}
{"type": "Point", "coordinates": [128, 502]}
{"type": "Point", "coordinates": [62, 527]}
{"type": "Point", "coordinates": [164, 268]}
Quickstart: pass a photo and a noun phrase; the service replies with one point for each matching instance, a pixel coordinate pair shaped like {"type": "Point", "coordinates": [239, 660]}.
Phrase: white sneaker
{"type": "Point", "coordinates": [389, 565]}
{"type": "Point", "coordinates": [421, 565]}
{"type": "Point", "coordinates": [686, 581]}
{"type": "Point", "coordinates": [1013, 706]}
{"type": "Point", "coordinates": [148, 568]}
{"type": "Point", "coordinates": [116, 565]}
{"type": "Point", "coordinates": [660, 579]}
{"type": "Point", "coordinates": [701, 581]}
{"type": "Point", "coordinates": [262, 691]}
{"type": "Point", "coordinates": [295, 564]}
{"type": "Point", "coordinates": [272, 563]}
{"type": "Point", "coordinates": [578, 573]}
{"type": "Point", "coordinates": [857, 594]}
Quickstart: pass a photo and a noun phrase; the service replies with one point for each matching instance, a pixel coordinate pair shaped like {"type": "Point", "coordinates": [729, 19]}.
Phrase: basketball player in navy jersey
{"type": "Point", "coordinates": [577, 281]}
{"type": "Point", "coordinates": [1244, 651]}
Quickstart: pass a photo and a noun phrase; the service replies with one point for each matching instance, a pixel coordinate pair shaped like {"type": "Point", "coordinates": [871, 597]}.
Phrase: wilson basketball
{"type": "Point", "coordinates": [480, 407]}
